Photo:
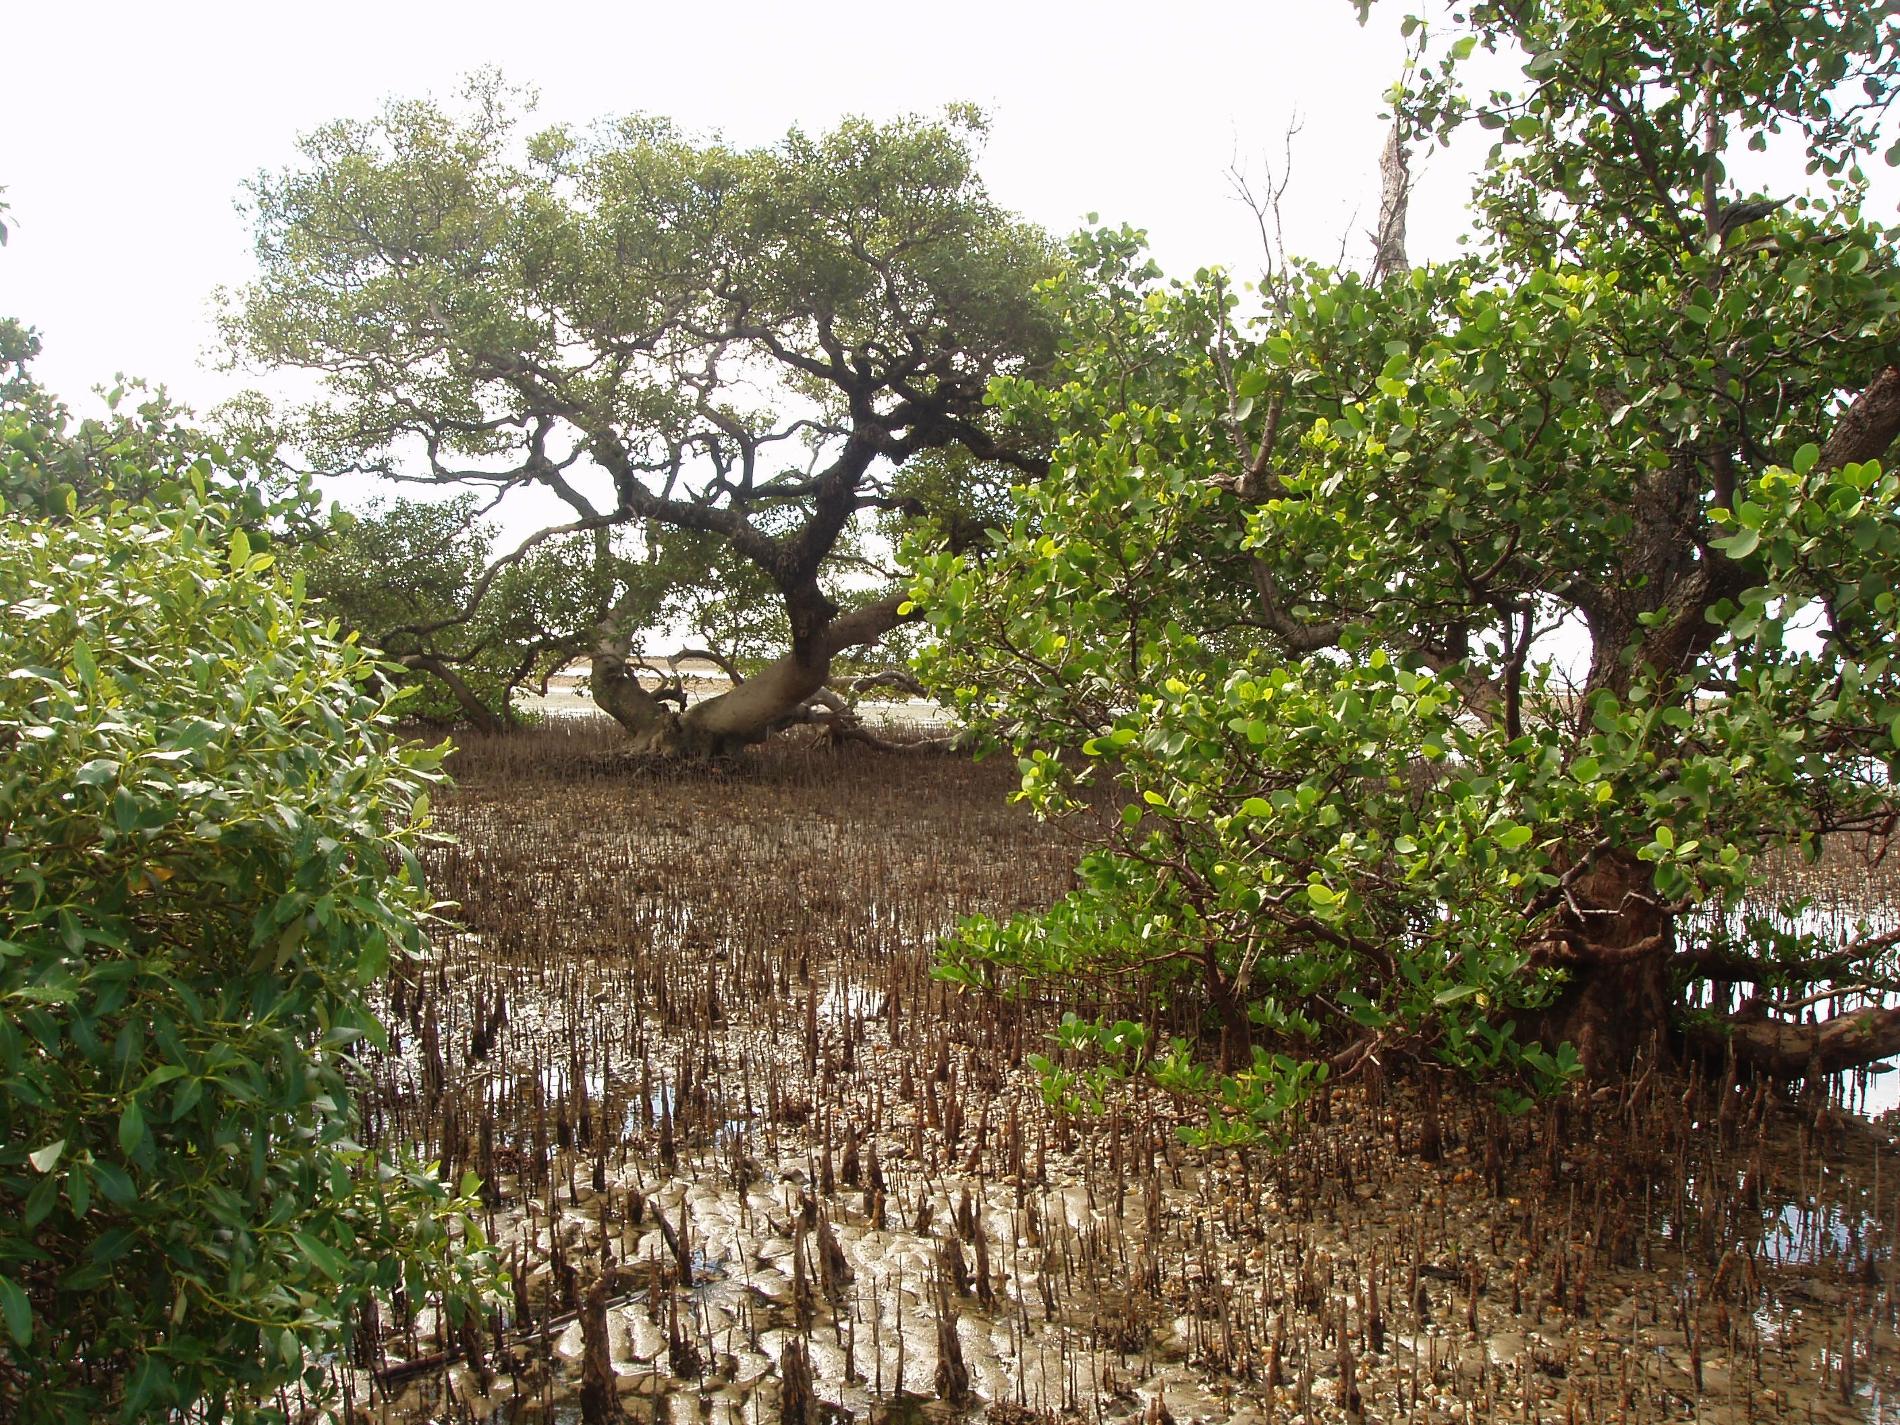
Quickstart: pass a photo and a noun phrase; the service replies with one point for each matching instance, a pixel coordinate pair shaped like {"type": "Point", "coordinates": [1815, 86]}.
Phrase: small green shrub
{"type": "Point", "coordinates": [207, 855]}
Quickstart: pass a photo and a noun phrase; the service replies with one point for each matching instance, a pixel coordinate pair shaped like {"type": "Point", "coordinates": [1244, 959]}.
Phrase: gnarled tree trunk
{"type": "Point", "coordinates": [1614, 940]}
{"type": "Point", "coordinates": [750, 711]}
{"type": "Point", "coordinates": [1617, 944]}
{"type": "Point", "coordinates": [718, 727]}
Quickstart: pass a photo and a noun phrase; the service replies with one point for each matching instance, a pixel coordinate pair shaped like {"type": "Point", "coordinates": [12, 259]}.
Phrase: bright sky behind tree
{"type": "Point", "coordinates": [133, 127]}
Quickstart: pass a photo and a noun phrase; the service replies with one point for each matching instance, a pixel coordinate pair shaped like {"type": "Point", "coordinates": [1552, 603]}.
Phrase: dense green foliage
{"type": "Point", "coordinates": [58, 465]}
{"type": "Point", "coordinates": [207, 852]}
{"type": "Point", "coordinates": [721, 357]}
{"type": "Point", "coordinates": [406, 574]}
{"type": "Point", "coordinates": [1460, 643]}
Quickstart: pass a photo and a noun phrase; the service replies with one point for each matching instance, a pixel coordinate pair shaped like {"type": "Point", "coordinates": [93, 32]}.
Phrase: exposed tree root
{"type": "Point", "coordinates": [1784, 1050]}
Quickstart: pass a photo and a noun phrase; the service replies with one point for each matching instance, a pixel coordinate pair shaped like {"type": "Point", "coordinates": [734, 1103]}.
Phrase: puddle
{"type": "Point", "coordinates": [845, 1000]}
{"type": "Point", "coordinates": [1810, 1235]}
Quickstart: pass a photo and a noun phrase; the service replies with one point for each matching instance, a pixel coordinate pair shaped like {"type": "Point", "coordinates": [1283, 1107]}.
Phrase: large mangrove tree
{"type": "Point", "coordinates": [1467, 641]}
{"type": "Point", "coordinates": [714, 364]}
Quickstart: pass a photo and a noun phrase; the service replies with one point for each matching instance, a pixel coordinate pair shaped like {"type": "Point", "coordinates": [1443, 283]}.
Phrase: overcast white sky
{"type": "Point", "coordinates": [131, 127]}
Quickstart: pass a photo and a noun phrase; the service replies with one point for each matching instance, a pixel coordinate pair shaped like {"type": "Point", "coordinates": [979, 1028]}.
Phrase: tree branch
{"type": "Point", "coordinates": [1869, 426]}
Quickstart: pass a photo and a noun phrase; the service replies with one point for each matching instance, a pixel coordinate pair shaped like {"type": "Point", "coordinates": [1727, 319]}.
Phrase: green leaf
{"type": "Point", "coordinates": [98, 772]}
{"type": "Point", "coordinates": [79, 1189]}
{"type": "Point", "coordinates": [1514, 837]}
{"type": "Point", "coordinates": [322, 1256]}
{"type": "Point", "coordinates": [163, 1074]}
{"type": "Point", "coordinates": [40, 1201]}
{"type": "Point", "coordinates": [1806, 457]}
{"type": "Point", "coordinates": [185, 1098]}
{"type": "Point", "coordinates": [240, 549]}
{"type": "Point", "coordinates": [43, 1159]}
{"type": "Point", "coordinates": [149, 1377]}
{"type": "Point", "coordinates": [114, 1182]}
{"type": "Point", "coordinates": [131, 1127]}
{"type": "Point", "coordinates": [17, 1310]}
{"type": "Point", "coordinates": [111, 1245]}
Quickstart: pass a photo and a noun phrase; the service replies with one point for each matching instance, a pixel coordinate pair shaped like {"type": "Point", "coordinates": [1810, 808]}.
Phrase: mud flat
{"type": "Point", "coordinates": [742, 1146]}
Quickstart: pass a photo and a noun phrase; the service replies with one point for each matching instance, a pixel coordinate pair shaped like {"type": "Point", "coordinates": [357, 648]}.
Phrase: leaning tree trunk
{"type": "Point", "coordinates": [718, 727]}
{"type": "Point", "coordinates": [480, 716]}
{"type": "Point", "coordinates": [752, 710]}
{"type": "Point", "coordinates": [1614, 940]}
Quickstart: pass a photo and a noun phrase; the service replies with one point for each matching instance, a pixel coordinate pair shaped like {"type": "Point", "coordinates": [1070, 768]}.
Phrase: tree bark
{"type": "Point", "coordinates": [1783, 1050]}
{"type": "Point", "coordinates": [1614, 941]}
{"type": "Point", "coordinates": [1617, 944]}
{"type": "Point", "coordinates": [1395, 199]}
{"type": "Point", "coordinates": [480, 715]}
{"type": "Point", "coordinates": [1868, 427]}
{"type": "Point", "coordinates": [600, 1399]}
{"type": "Point", "coordinates": [749, 712]}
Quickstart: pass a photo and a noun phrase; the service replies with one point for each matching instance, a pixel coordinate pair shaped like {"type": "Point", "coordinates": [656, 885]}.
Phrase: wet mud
{"type": "Point", "coordinates": [745, 1160]}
